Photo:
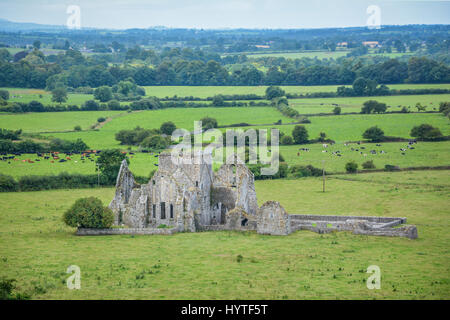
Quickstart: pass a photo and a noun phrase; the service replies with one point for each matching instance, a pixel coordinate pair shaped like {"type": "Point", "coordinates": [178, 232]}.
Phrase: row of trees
{"type": "Point", "coordinates": [73, 70]}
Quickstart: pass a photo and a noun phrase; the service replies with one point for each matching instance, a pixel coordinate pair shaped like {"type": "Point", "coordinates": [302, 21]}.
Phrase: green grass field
{"type": "Point", "coordinates": [37, 247]}
{"type": "Point", "coordinates": [141, 164]}
{"type": "Point", "coordinates": [53, 121]}
{"type": "Point", "coordinates": [354, 104]}
{"type": "Point", "coordinates": [351, 127]}
{"type": "Point", "coordinates": [209, 91]}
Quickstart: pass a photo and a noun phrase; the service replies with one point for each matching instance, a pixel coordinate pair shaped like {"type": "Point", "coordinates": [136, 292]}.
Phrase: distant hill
{"type": "Point", "coordinates": [10, 26]}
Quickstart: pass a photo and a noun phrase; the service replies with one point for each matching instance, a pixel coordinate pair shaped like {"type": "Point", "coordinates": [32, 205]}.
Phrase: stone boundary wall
{"type": "Point", "coordinates": [125, 231]}
{"type": "Point", "coordinates": [329, 218]}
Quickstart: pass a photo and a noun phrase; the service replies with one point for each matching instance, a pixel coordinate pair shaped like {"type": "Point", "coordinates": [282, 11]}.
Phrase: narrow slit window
{"type": "Point", "coordinates": [163, 210]}
{"type": "Point", "coordinates": [171, 211]}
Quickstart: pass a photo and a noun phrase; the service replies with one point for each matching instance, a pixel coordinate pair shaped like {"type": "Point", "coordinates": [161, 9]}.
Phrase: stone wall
{"type": "Point", "coordinates": [125, 231]}
{"type": "Point", "coordinates": [272, 219]}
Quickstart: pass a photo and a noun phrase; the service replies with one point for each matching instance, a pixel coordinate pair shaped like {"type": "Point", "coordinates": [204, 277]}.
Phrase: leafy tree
{"type": "Point", "coordinates": [337, 110]}
{"type": "Point", "coordinates": [373, 106]}
{"type": "Point", "coordinates": [4, 94]}
{"type": "Point", "coordinates": [77, 128]}
{"type": "Point", "coordinates": [59, 95]}
{"type": "Point", "coordinates": [287, 140]}
{"type": "Point", "coordinates": [168, 128]}
{"type": "Point", "coordinates": [322, 136]}
{"type": "Point", "coordinates": [368, 164]}
{"type": "Point", "coordinates": [109, 163]}
{"type": "Point", "coordinates": [218, 100]}
{"type": "Point", "coordinates": [374, 134]}
{"type": "Point", "coordinates": [88, 213]}
{"type": "Point", "coordinates": [208, 123]}
{"type": "Point", "coordinates": [300, 134]}
{"type": "Point", "coordinates": [155, 142]}
{"type": "Point", "coordinates": [103, 93]}
{"type": "Point", "coordinates": [37, 44]}
{"type": "Point", "coordinates": [351, 167]}
{"type": "Point", "coordinates": [274, 92]}
{"type": "Point", "coordinates": [426, 132]}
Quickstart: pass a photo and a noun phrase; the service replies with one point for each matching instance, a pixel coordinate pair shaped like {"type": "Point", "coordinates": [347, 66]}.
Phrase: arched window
{"type": "Point", "coordinates": [163, 210]}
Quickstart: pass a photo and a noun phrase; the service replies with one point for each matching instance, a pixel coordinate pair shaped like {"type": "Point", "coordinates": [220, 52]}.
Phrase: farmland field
{"type": "Point", "coordinates": [354, 104]}
{"type": "Point", "coordinates": [209, 91]}
{"type": "Point", "coordinates": [53, 121]}
{"type": "Point", "coordinates": [38, 247]}
{"type": "Point", "coordinates": [351, 127]}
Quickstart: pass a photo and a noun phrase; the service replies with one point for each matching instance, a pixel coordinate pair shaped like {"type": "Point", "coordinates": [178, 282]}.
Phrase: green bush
{"type": "Point", "coordinates": [368, 165]}
{"type": "Point", "coordinates": [299, 171]}
{"type": "Point", "coordinates": [8, 184]}
{"type": "Point", "coordinates": [77, 128]}
{"type": "Point", "coordinates": [374, 134]}
{"type": "Point", "coordinates": [390, 167]}
{"type": "Point", "coordinates": [300, 134]}
{"type": "Point", "coordinates": [101, 119]}
{"type": "Point", "coordinates": [287, 140]}
{"type": "Point", "coordinates": [88, 213]}
{"type": "Point", "coordinates": [351, 167]}
{"type": "Point", "coordinates": [426, 132]}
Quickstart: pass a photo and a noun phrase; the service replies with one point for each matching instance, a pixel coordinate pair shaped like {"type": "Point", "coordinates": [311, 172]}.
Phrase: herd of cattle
{"type": "Point", "coordinates": [360, 149]}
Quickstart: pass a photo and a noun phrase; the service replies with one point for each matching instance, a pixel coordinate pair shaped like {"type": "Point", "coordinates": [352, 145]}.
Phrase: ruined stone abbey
{"type": "Point", "coordinates": [185, 194]}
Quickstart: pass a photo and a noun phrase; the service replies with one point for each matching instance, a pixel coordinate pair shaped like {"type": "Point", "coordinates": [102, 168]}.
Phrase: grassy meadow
{"type": "Point", "coordinates": [37, 247]}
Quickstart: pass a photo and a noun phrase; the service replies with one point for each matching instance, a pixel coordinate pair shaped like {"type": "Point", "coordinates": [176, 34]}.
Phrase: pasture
{"type": "Point", "coordinates": [42, 122]}
{"type": "Point", "coordinates": [351, 127]}
{"type": "Point", "coordinates": [210, 91]}
{"type": "Point", "coordinates": [354, 104]}
{"type": "Point", "coordinates": [37, 247]}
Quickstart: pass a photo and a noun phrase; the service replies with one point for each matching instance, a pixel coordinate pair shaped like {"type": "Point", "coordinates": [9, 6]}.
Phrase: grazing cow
{"type": "Point", "coordinates": [325, 145]}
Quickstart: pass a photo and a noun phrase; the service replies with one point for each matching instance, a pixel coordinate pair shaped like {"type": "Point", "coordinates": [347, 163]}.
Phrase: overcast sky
{"type": "Point", "coordinates": [121, 14]}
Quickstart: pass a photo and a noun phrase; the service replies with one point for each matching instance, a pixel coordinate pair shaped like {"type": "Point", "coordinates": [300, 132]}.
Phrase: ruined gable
{"type": "Point", "coordinates": [272, 219]}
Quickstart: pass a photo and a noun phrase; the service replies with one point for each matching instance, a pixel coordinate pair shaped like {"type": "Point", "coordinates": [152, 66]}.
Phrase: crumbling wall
{"type": "Point", "coordinates": [272, 219]}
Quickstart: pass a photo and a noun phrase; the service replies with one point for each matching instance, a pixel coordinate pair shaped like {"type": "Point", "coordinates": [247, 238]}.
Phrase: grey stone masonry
{"type": "Point", "coordinates": [185, 195]}
{"type": "Point", "coordinates": [125, 231]}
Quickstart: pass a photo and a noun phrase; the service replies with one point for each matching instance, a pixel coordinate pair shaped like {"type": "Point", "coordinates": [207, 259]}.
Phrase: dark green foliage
{"type": "Point", "coordinates": [77, 128]}
{"type": "Point", "coordinates": [299, 171]}
{"type": "Point", "coordinates": [274, 92]}
{"type": "Point", "coordinates": [10, 134]}
{"type": "Point", "coordinates": [4, 94]}
{"type": "Point", "coordinates": [59, 95]}
{"type": "Point", "coordinates": [337, 110]}
{"type": "Point", "coordinates": [351, 167]}
{"type": "Point", "coordinates": [374, 134]}
{"type": "Point", "coordinates": [426, 132]}
{"type": "Point", "coordinates": [155, 142]}
{"type": "Point", "coordinates": [101, 119]}
{"type": "Point", "coordinates": [368, 165]}
{"type": "Point", "coordinates": [281, 173]}
{"type": "Point", "coordinates": [88, 213]}
{"type": "Point", "coordinates": [103, 93]}
{"type": "Point", "coordinates": [390, 167]}
{"type": "Point", "coordinates": [8, 184]}
{"type": "Point", "coordinates": [373, 106]}
{"type": "Point", "coordinates": [109, 163]}
{"type": "Point", "coordinates": [135, 136]}
{"type": "Point", "coordinates": [208, 123]}
{"type": "Point", "coordinates": [168, 127]}
{"type": "Point", "coordinates": [300, 134]}
{"type": "Point", "coordinates": [286, 140]}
